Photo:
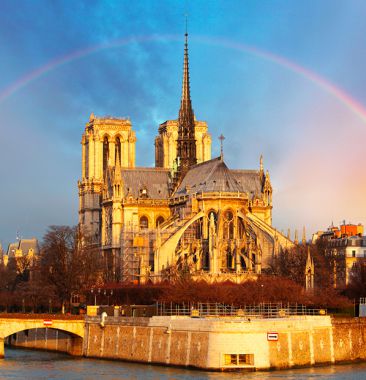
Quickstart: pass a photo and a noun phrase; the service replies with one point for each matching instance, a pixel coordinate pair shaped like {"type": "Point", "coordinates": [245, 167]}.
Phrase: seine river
{"type": "Point", "coordinates": [28, 365]}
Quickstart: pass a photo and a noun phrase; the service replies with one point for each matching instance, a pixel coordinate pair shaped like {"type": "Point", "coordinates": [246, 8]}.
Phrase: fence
{"type": "Point", "coordinates": [262, 310]}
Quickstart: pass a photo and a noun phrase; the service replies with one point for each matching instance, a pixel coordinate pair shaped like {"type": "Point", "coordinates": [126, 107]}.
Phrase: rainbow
{"type": "Point", "coordinates": [342, 96]}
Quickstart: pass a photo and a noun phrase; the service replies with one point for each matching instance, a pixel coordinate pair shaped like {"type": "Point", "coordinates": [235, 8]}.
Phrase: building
{"type": "Point", "coordinates": [346, 245]}
{"type": "Point", "coordinates": [190, 214]}
{"type": "Point", "coordinates": [343, 231]}
{"type": "Point", "coordinates": [23, 253]}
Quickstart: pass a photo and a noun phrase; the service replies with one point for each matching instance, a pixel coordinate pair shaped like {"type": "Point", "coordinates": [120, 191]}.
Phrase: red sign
{"type": "Point", "coordinates": [272, 336]}
{"type": "Point", "coordinates": [47, 322]}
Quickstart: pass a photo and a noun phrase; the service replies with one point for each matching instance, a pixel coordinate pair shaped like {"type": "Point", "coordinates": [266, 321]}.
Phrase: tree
{"type": "Point", "coordinates": [357, 284]}
{"type": "Point", "coordinates": [291, 264]}
{"type": "Point", "coordinates": [68, 264]}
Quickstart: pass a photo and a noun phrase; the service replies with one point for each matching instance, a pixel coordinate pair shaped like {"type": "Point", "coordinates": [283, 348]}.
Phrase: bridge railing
{"type": "Point", "coordinates": [42, 316]}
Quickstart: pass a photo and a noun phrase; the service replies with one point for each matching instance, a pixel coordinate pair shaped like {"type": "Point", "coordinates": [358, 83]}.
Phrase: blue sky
{"type": "Point", "coordinates": [312, 142]}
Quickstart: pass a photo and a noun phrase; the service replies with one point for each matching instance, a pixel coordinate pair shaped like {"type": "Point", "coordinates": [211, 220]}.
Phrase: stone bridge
{"type": "Point", "coordinates": [73, 325]}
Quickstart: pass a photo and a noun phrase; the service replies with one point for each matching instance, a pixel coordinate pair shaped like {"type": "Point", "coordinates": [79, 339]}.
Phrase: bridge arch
{"type": "Point", "coordinates": [46, 333]}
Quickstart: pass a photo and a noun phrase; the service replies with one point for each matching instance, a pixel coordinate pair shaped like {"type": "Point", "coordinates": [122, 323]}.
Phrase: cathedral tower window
{"type": "Point", "coordinates": [105, 153]}
{"type": "Point", "coordinates": [118, 150]}
{"type": "Point", "coordinates": [144, 222]}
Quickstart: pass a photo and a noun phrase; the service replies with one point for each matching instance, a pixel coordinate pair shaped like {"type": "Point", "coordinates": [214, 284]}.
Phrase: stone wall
{"type": "Point", "coordinates": [226, 344]}
{"type": "Point", "coordinates": [215, 344]}
{"type": "Point", "coordinates": [146, 343]}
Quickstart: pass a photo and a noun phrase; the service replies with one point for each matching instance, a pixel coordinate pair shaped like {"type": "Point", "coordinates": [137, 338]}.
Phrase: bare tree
{"type": "Point", "coordinates": [67, 265]}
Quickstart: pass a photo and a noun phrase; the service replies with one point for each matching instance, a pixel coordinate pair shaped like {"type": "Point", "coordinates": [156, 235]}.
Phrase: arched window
{"type": "Point", "coordinates": [243, 264]}
{"type": "Point", "coordinates": [144, 222]}
{"type": "Point", "coordinates": [105, 153]}
{"type": "Point", "coordinates": [228, 225]}
{"type": "Point", "coordinates": [199, 229]}
{"type": "Point", "coordinates": [241, 228]}
{"type": "Point", "coordinates": [213, 213]}
{"type": "Point", "coordinates": [159, 220]}
{"type": "Point", "coordinates": [206, 260]}
{"type": "Point", "coordinates": [229, 260]}
{"type": "Point", "coordinates": [118, 150]}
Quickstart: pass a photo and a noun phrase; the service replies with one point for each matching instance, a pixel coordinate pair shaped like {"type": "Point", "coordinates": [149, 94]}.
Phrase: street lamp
{"type": "Point", "coordinates": [94, 291]}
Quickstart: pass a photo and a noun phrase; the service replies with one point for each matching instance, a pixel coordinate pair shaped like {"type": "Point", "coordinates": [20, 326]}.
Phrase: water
{"type": "Point", "coordinates": [29, 365]}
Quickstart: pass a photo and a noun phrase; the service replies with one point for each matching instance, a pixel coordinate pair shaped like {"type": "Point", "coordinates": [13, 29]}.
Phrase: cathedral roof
{"type": "Point", "coordinates": [249, 181]}
{"type": "Point", "coordinates": [154, 180]}
{"type": "Point", "coordinates": [212, 175]}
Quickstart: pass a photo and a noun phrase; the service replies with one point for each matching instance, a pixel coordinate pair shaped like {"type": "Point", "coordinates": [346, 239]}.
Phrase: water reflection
{"type": "Point", "coordinates": [27, 364]}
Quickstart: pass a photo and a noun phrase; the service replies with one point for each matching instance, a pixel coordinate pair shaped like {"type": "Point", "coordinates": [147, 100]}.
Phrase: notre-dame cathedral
{"type": "Point", "coordinates": [189, 215]}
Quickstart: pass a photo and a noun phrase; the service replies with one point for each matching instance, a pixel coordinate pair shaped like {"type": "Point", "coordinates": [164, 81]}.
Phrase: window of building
{"type": "Point", "coordinates": [105, 153]}
{"type": "Point", "coordinates": [243, 264]}
{"type": "Point", "coordinates": [229, 225]}
{"type": "Point", "coordinates": [353, 253]}
{"type": "Point", "coordinates": [144, 222]}
{"type": "Point", "coordinates": [239, 359]}
{"type": "Point", "coordinates": [364, 253]}
{"type": "Point", "coordinates": [159, 220]}
{"type": "Point", "coordinates": [213, 213]}
{"type": "Point", "coordinates": [75, 299]}
{"type": "Point", "coordinates": [241, 228]}
{"type": "Point", "coordinates": [118, 150]}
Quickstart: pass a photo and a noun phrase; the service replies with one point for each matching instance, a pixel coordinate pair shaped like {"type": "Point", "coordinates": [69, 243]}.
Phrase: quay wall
{"type": "Point", "coordinates": [215, 343]}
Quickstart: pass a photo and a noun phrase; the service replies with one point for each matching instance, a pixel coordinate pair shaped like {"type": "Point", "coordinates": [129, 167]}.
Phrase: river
{"type": "Point", "coordinates": [29, 365]}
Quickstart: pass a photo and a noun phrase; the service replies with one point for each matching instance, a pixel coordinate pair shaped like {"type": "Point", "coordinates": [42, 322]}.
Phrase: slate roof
{"type": "Point", "coordinates": [212, 175]}
{"type": "Point", "coordinates": [208, 176]}
{"type": "Point", "coordinates": [25, 245]}
{"type": "Point", "coordinates": [249, 181]}
{"type": "Point", "coordinates": [156, 181]}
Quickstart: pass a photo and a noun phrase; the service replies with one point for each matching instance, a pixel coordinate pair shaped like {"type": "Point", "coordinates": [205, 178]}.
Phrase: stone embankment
{"type": "Point", "coordinates": [214, 343]}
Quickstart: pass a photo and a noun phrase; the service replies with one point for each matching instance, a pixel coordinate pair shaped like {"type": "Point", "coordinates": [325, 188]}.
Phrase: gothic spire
{"type": "Point", "coordinates": [186, 143]}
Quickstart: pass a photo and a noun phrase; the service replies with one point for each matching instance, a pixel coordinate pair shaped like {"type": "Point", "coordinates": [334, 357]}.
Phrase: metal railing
{"type": "Point", "coordinates": [261, 310]}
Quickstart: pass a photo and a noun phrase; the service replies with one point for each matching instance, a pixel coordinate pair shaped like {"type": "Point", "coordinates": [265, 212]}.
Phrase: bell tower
{"type": "Point", "coordinates": [104, 141]}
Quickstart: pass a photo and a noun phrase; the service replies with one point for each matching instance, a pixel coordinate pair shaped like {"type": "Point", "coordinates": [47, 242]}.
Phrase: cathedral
{"type": "Point", "coordinates": [190, 215]}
